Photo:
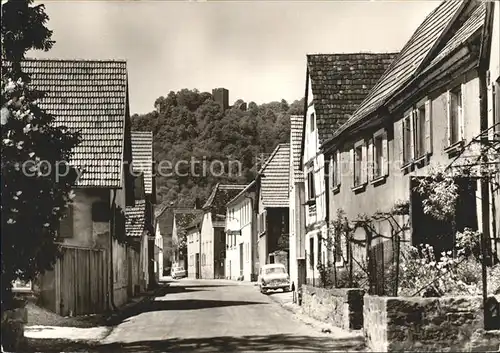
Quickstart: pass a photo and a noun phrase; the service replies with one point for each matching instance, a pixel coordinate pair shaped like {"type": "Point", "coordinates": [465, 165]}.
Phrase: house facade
{"type": "Point", "coordinates": [193, 236]}
{"type": "Point", "coordinates": [335, 85]}
{"type": "Point", "coordinates": [92, 274]}
{"type": "Point", "coordinates": [213, 236]}
{"type": "Point", "coordinates": [296, 206]}
{"type": "Point", "coordinates": [493, 87]}
{"type": "Point", "coordinates": [272, 208]}
{"type": "Point", "coordinates": [182, 218]}
{"type": "Point", "coordinates": [422, 113]}
{"type": "Point", "coordinates": [241, 236]}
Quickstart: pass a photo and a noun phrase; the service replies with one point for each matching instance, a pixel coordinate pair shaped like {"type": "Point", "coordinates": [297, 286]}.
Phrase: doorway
{"type": "Point", "coordinates": [241, 259]}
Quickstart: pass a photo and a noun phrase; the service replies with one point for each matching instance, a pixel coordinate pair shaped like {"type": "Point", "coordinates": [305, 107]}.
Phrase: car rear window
{"type": "Point", "coordinates": [271, 270]}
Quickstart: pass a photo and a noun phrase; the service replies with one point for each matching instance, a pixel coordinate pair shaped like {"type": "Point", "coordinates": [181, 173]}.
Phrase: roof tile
{"type": "Point", "coordinates": [142, 157]}
{"type": "Point", "coordinates": [340, 82]}
{"type": "Point", "coordinates": [90, 97]}
{"type": "Point", "coordinates": [275, 177]}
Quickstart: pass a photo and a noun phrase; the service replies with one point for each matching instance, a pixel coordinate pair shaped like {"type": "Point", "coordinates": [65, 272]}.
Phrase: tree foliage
{"type": "Point", "coordinates": [190, 124]}
{"type": "Point", "coordinates": [35, 192]}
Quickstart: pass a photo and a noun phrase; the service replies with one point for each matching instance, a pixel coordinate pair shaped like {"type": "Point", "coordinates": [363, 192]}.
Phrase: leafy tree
{"type": "Point", "coordinates": [36, 179]}
{"type": "Point", "coordinates": [190, 123]}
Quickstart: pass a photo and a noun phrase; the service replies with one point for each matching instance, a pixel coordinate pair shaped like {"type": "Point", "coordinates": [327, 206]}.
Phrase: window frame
{"type": "Point", "coordinates": [457, 90]}
{"type": "Point", "coordinates": [361, 146]}
{"type": "Point", "coordinates": [378, 164]}
{"type": "Point", "coordinates": [311, 187]}
{"type": "Point", "coordinates": [420, 131]}
{"type": "Point", "coordinates": [312, 122]}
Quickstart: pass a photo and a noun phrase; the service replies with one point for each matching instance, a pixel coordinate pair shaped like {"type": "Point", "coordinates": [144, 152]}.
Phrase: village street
{"type": "Point", "coordinates": [211, 315]}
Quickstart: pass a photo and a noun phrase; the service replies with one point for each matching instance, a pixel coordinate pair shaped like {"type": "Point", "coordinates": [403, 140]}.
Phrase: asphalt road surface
{"type": "Point", "coordinates": [208, 316]}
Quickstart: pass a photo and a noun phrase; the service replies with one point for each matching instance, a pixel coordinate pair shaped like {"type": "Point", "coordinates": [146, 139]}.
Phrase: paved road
{"type": "Point", "coordinates": [208, 316]}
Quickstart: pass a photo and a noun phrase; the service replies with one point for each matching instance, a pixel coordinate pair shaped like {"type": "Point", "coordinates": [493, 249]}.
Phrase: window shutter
{"type": "Point", "coordinates": [461, 113]}
{"type": "Point", "coordinates": [364, 164]}
{"type": "Point", "coordinates": [339, 169]}
{"type": "Point", "coordinates": [401, 128]}
{"type": "Point", "coordinates": [412, 134]}
{"type": "Point", "coordinates": [66, 224]}
{"type": "Point", "coordinates": [385, 155]}
{"type": "Point", "coordinates": [370, 163]}
{"type": "Point", "coordinates": [448, 117]}
{"type": "Point", "coordinates": [428, 127]}
{"type": "Point", "coordinates": [352, 163]}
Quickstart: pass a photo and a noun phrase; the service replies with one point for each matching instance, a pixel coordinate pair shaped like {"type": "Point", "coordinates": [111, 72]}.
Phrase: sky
{"type": "Point", "coordinates": [255, 49]}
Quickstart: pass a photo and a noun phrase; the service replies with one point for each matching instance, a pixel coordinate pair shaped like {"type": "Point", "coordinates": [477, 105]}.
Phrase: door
{"type": "Point", "coordinates": [241, 259]}
{"type": "Point", "coordinates": [197, 265]}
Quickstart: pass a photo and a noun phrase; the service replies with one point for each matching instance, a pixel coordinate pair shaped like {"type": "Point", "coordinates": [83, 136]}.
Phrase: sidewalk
{"type": "Point", "coordinates": [46, 327]}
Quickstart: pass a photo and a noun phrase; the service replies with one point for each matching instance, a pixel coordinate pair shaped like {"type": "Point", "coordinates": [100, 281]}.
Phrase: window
{"type": "Point", "coordinates": [311, 192]}
{"type": "Point", "coordinates": [335, 168]}
{"type": "Point", "coordinates": [261, 223]}
{"type": "Point", "coordinates": [358, 164]}
{"type": "Point", "coordinates": [455, 118]}
{"type": "Point", "coordinates": [378, 159]}
{"type": "Point", "coordinates": [407, 139]}
{"type": "Point", "coordinates": [312, 122]}
{"type": "Point", "coordinates": [420, 131]}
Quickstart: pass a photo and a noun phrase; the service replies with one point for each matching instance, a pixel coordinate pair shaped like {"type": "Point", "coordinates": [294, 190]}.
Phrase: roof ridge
{"type": "Point", "coordinates": [78, 60]}
{"type": "Point", "coordinates": [356, 53]}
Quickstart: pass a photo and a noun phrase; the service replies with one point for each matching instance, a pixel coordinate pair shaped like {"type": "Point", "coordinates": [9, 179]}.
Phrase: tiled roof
{"type": "Point", "coordinates": [247, 188]}
{"type": "Point", "coordinates": [275, 177]}
{"type": "Point", "coordinates": [471, 26]}
{"type": "Point", "coordinates": [90, 97]}
{"type": "Point", "coordinates": [195, 221]}
{"type": "Point", "coordinates": [296, 128]}
{"type": "Point", "coordinates": [135, 221]}
{"type": "Point", "coordinates": [185, 217]}
{"type": "Point", "coordinates": [220, 196]}
{"type": "Point", "coordinates": [142, 157]}
{"type": "Point", "coordinates": [339, 83]}
{"type": "Point", "coordinates": [409, 61]}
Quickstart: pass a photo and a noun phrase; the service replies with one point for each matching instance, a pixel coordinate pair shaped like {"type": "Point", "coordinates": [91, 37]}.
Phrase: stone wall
{"type": "Point", "coordinates": [424, 324]}
{"type": "Point", "coordinates": [339, 307]}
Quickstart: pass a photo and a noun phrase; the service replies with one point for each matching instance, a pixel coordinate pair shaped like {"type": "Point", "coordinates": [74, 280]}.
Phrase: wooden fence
{"type": "Point", "coordinates": [78, 283]}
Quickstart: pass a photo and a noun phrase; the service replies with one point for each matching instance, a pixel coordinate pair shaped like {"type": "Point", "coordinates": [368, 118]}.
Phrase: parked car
{"type": "Point", "coordinates": [272, 277]}
{"type": "Point", "coordinates": [178, 272]}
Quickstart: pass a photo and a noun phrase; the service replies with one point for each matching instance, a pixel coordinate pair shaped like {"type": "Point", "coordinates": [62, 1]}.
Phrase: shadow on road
{"type": "Point", "coordinates": [228, 344]}
{"type": "Point", "coordinates": [193, 304]}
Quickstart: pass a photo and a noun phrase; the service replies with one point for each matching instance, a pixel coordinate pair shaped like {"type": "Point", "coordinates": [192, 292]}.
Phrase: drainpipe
{"type": "Point", "coordinates": [111, 299]}
{"type": "Point", "coordinates": [483, 109]}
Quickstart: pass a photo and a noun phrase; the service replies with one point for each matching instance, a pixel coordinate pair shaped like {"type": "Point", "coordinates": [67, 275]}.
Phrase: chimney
{"type": "Point", "coordinates": [197, 204]}
{"type": "Point", "coordinates": [221, 96]}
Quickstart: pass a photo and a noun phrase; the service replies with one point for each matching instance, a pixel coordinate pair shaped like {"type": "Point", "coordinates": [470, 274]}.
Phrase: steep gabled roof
{"type": "Point", "coordinates": [142, 157]}
{"type": "Point", "coordinates": [414, 56]}
{"type": "Point", "coordinates": [296, 129]}
{"type": "Point", "coordinates": [274, 177]}
{"type": "Point", "coordinates": [339, 83]}
{"type": "Point", "coordinates": [90, 97]}
{"type": "Point", "coordinates": [185, 218]}
{"type": "Point", "coordinates": [135, 219]}
{"type": "Point", "coordinates": [247, 188]}
{"type": "Point", "coordinates": [220, 196]}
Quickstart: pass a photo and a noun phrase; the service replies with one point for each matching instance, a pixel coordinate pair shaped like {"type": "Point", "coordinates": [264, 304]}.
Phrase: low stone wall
{"type": "Point", "coordinates": [340, 307]}
{"type": "Point", "coordinates": [394, 324]}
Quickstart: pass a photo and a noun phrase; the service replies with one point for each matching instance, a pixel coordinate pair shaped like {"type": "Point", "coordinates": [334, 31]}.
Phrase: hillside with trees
{"type": "Point", "coordinates": [189, 125]}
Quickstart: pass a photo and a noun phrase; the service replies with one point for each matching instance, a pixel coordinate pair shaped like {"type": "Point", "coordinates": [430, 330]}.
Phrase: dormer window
{"type": "Point", "coordinates": [312, 122]}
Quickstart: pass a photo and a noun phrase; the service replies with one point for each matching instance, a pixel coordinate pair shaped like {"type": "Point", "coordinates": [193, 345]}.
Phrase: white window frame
{"type": "Point", "coordinates": [311, 184]}
{"type": "Point", "coordinates": [460, 112]}
{"type": "Point", "coordinates": [362, 147]}
{"type": "Point", "coordinates": [380, 135]}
